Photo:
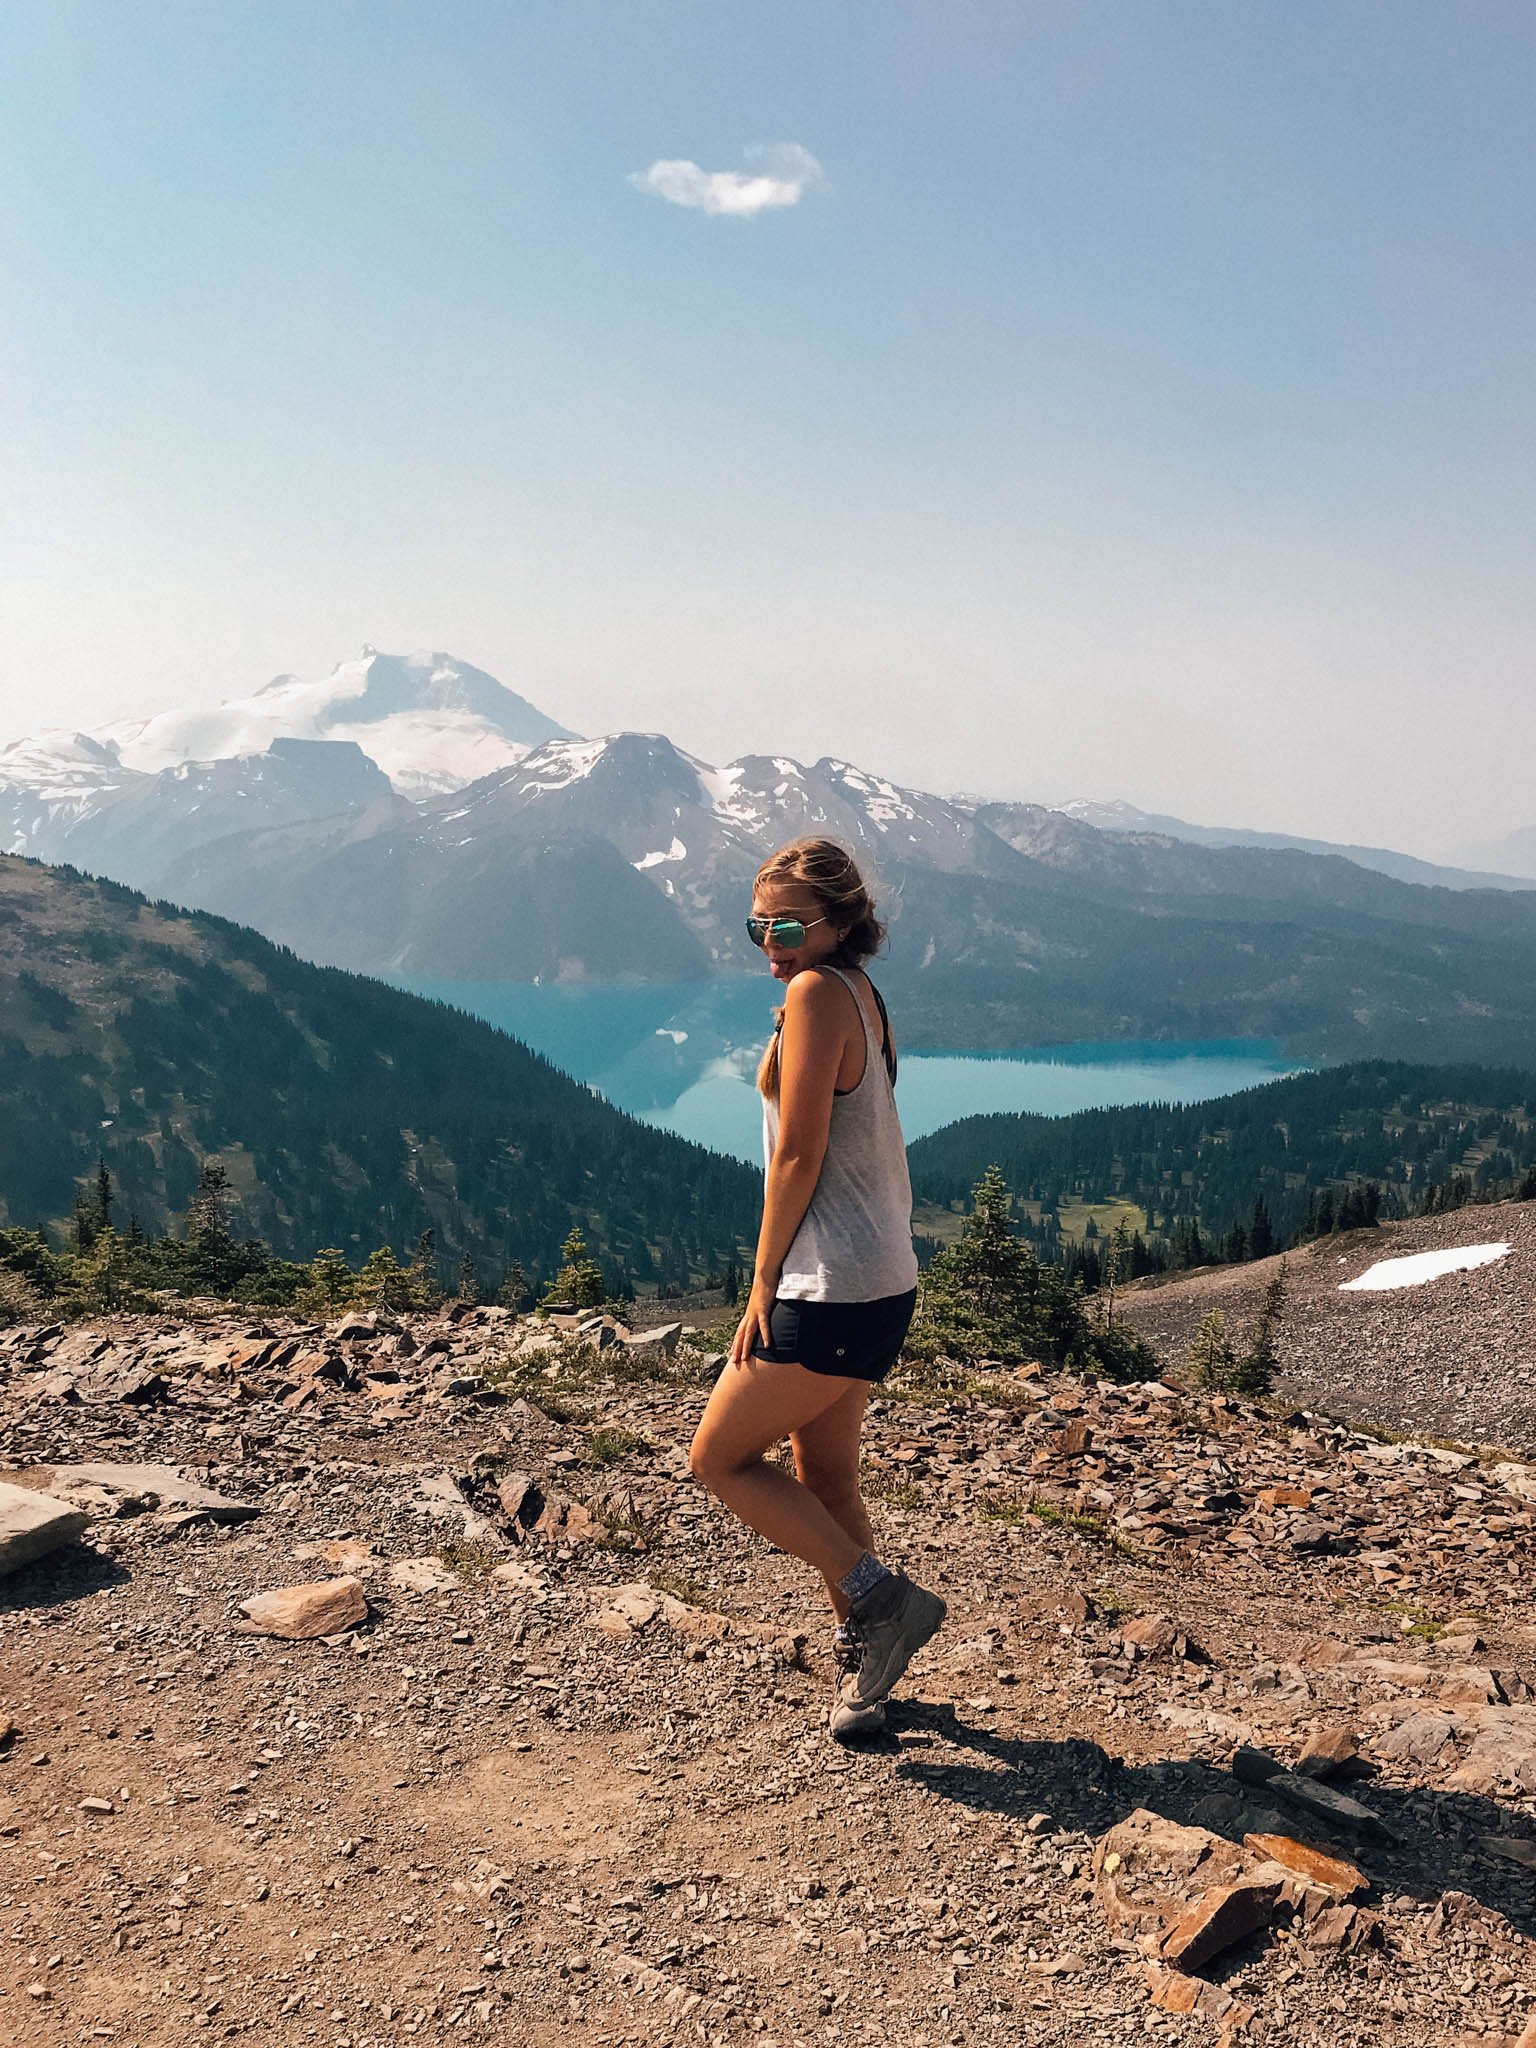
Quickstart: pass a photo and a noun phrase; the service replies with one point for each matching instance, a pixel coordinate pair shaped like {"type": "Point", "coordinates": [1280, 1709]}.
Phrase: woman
{"type": "Point", "coordinates": [836, 1277]}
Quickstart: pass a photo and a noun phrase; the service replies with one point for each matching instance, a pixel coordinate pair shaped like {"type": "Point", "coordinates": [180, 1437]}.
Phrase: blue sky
{"type": "Point", "coordinates": [1140, 403]}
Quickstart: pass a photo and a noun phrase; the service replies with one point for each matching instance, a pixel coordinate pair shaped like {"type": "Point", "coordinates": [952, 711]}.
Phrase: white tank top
{"type": "Point", "coordinates": [855, 1240]}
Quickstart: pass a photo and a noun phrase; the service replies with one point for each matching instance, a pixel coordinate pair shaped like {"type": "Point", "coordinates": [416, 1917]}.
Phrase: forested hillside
{"type": "Point", "coordinates": [345, 1113]}
{"type": "Point", "coordinates": [1403, 1130]}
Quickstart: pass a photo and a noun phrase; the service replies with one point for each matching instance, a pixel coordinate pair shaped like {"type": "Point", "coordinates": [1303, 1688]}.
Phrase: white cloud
{"type": "Point", "coordinates": [783, 172]}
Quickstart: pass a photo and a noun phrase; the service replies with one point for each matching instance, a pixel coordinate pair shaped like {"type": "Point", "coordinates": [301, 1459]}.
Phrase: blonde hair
{"type": "Point", "coordinates": [832, 875]}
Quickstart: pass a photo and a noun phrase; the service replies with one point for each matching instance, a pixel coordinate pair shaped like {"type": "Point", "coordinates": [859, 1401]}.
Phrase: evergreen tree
{"type": "Point", "coordinates": [516, 1291]}
{"type": "Point", "coordinates": [580, 1279]}
{"type": "Point", "coordinates": [103, 1281]}
{"type": "Point", "coordinates": [1255, 1371]}
{"type": "Point", "coordinates": [1119, 1264]}
{"type": "Point", "coordinates": [978, 1297]}
{"type": "Point", "coordinates": [214, 1265]}
{"type": "Point", "coordinates": [423, 1270]}
{"type": "Point", "coordinates": [1235, 1250]}
{"type": "Point", "coordinates": [987, 1295]}
{"type": "Point", "coordinates": [469, 1279]}
{"type": "Point", "coordinates": [104, 1194]}
{"type": "Point", "coordinates": [327, 1290]}
{"type": "Point", "coordinates": [384, 1283]}
{"type": "Point", "coordinates": [1211, 1359]}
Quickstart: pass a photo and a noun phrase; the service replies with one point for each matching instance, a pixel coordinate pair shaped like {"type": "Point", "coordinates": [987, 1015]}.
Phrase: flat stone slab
{"type": "Point", "coordinates": [136, 1489]}
{"type": "Point", "coordinates": [32, 1524]}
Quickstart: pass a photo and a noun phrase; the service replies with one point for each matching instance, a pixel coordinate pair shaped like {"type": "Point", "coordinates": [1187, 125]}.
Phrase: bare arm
{"type": "Point", "coordinates": [811, 1047]}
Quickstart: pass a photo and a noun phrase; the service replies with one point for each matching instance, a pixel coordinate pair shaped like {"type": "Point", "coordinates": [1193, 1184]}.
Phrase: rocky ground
{"type": "Point", "coordinates": [1230, 1736]}
{"type": "Point", "coordinates": [1456, 1358]}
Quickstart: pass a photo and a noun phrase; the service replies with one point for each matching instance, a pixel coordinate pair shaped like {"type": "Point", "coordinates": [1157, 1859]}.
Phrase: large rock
{"type": "Point", "coordinates": [1218, 1920]}
{"type": "Point", "coordinates": [302, 1613]}
{"type": "Point", "coordinates": [1147, 1870]}
{"type": "Point", "coordinates": [1502, 1758]}
{"type": "Point", "coordinates": [660, 1342]}
{"type": "Point", "coordinates": [135, 1489]}
{"type": "Point", "coordinates": [32, 1524]}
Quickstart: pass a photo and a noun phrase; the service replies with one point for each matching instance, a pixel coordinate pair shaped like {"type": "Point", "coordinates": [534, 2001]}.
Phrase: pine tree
{"type": "Point", "coordinates": [1256, 1369]}
{"type": "Point", "coordinates": [580, 1279]}
{"type": "Point", "coordinates": [469, 1279]}
{"type": "Point", "coordinates": [104, 1194]}
{"type": "Point", "coordinates": [103, 1281]}
{"type": "Point", "coordinates": [1211, 1359]}
{"type": "Point", "coordinates": [515, 1291]}
{"type": "Point", "coordinates": [327, 1289]}
{"type": "Point", "coordinates": [215, 1266]}
{"type": "Point", "coordinates": [385, 1284]}
{"type": "Point", "coordinates": [1119, 1265]}
{"type": "Point", "coordinates": [423, 1271]}
{"type": "Point", "coordinates": [987, 1295]}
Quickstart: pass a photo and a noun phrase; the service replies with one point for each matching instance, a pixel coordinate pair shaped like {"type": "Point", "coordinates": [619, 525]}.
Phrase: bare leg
{"type": "Point", "coordinates": [754, 1406]}
{"type": "Point", "coordinates": [827, 1461]}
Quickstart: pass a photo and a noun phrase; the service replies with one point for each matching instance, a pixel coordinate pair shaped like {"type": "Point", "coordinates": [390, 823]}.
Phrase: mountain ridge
{"type": "Point", "coordinates": [345, 1112]}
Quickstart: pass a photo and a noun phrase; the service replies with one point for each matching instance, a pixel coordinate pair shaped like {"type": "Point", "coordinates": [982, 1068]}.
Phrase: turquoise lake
{"type": "Point", "coordinates": [683, 1056]}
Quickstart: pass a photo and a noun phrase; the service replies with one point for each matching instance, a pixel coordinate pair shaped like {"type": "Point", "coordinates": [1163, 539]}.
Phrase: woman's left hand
{"type": "Point", "coordinates": [753, 1326]}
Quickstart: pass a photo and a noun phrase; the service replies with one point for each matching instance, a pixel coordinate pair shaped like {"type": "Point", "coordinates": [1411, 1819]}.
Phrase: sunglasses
{"type": "Point", "coordinates": [787, 931]}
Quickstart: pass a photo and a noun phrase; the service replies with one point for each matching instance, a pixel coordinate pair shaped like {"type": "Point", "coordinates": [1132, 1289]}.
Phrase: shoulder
{"type": "Point", "coordinates": [815, 996]}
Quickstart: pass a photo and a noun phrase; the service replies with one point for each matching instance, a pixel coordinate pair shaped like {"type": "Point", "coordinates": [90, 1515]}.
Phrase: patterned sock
{"type": "Point", "coordinates": [864, 1577]}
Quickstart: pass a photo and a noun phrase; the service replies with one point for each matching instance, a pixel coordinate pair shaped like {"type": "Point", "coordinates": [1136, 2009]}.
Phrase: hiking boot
{"type": "Point", "coordinates": [893, 1621]}
{"type": "Point", "coordinates": [849, 1721]}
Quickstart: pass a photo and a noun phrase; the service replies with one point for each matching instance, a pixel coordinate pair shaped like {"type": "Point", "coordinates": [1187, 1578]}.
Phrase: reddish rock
{"type": "Point", "coordinates": [1344, 1927]}
{"type": "Point", "coordinates": [302, 1613]}
{"type": "Point", "coordinates": [1327, 1750]}
{"type": "Point", "coordinates": [1226, 1915]}
{"type": "Point", "coordinates": [1147, 1869]}
{"type": "Point", "coordinates": [1285, 1497]}
{"type": "Point", "coordinates": [1332, 1873]}
{"type": "Point", "coordinates": [1155, 1635]}
{"type": "Point", "coordinates": [1172, 1991]}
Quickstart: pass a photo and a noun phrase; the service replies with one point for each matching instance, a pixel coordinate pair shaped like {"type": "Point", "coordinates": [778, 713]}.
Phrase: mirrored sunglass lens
{"type": "Point", "coordinates": [787, 930]}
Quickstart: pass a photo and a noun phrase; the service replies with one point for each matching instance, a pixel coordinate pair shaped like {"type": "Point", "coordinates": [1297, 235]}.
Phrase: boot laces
{"type": "Point", "coordinates": [848, 1650]}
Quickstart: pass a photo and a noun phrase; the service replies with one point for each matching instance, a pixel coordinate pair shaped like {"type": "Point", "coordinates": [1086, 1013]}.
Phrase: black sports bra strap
{"type": "Point", "coordinates": [887, 1051]}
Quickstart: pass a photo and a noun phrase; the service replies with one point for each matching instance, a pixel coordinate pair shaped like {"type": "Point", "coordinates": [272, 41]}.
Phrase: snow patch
{"type": "Point", "coordinates": [677, 851]}
{"type": "Point", "coordinates": [559, 763]}
{"type": "Point", "coordinates": [1418, 1267]}
{"type": "Point", "coordinates": [677, 1037]}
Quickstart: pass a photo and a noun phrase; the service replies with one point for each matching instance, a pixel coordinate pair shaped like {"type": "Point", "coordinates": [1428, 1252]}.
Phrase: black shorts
{"type": "Point", "coordinates": [856, 1340]}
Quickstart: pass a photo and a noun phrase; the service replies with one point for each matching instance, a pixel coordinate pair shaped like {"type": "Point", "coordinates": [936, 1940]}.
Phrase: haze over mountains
{"type": "Point", "coordinates": [1517, 853]}
{"type": "Point", "coordinates": [409, 815]}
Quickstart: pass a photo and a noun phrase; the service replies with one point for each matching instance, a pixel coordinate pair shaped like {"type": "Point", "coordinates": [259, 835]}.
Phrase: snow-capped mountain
{"type": "Point", "coordinates": [138, 833]}
{"type": "Point", "coordinates": [68, 797]}
{"type": "Point", "coordinates": [642, 827]}
{"type": "Point", "coordinates": [48, 783]}
{"type": "Point", "coordinates": [431, 722]}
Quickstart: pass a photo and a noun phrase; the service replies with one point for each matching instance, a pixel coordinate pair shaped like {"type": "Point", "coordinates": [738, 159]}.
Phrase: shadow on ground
{"type": "Point", "coordinates": [71, 1573]}
{"type": "Point", "coordinates": [1428, 1843]}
